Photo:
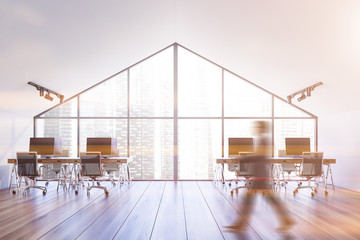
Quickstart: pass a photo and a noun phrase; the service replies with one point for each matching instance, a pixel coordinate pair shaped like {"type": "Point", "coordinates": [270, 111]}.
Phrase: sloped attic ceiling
{"type": "Point", "coordinates": [281, 45]}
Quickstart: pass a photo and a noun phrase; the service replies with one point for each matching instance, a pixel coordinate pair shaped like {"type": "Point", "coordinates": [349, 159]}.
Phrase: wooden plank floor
{"type": "Point", "coordinates": [173, 210]}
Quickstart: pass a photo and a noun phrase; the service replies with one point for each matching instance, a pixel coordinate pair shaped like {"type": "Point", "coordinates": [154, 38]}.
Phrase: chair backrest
{"type": "Point", "coordinates": [312, 164]}
{"type": "Point", "coordinates": [27, 164]}
{"type": "Point", "coordinates": [91, 164]}
{"type": "Point", "coordinates": [286, 167]}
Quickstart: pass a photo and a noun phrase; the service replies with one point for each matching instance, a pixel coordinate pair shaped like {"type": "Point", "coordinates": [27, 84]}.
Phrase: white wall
{"type": "Point", "coordinates": [15, 133]}
{"type": "Point", "coordinates": [339, 136]}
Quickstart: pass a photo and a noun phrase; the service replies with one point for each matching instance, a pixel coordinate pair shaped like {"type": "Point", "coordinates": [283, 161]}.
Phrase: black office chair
{"type": "Point", "coordinates": [28, 168]}
{"type": "Point", "coordinates": [311, 170]}
{"type": "Point", "coordinates": [91, 167]}
{"type": "Point", "coordinates": [56, 171]}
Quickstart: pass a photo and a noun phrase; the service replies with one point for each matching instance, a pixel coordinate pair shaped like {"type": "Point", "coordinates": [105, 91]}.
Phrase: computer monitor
{"type": "Point", "coordinates": [237, 145]}
{"type": "Point", "coordinates": [296, 146]}
{"type": "Point", "coordinates": [45, 146]}
{"type": "Point", "coordinates": [107, 146]}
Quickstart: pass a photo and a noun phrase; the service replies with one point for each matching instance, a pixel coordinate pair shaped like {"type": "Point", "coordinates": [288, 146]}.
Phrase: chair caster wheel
{"type": "Point", "coordinates": [106, 193]}
{"type": "Point", "coordinates": [294, 192]}
{"type": "Point", "coordinates": [229, 184]}
{"type": "Point", "coordinates": [232, 193]}
{"type": "Point", "coordinates": [14, 192]}
{"type": "Point", "coordinates": [236, 182]}
{"type": "Point", "coordinates": [237, 190]}
{"type": "Point", "coordinates": [46, 184]}
{"type": "Point", "coordinates": [312, 194]}
{"type": "Point", "coordinates": [326, 193]}
{"type": "Point", "coordinates": [98, 183]}
{"type": "Point", "coordinates": [44, 192]}
{"type": "Point", "coordinates": [76, 192]}
{"type": "Point", "coordinates": [315, 190]}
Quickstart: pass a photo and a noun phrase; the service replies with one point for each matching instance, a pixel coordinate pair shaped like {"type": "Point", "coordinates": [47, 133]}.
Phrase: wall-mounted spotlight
{"type": "Point", "coordinates": [302, 97]}
{"type": "Point", "coordinates": [48, 97]}
{"type": "Point", "coordinates": [307, 90]}
{"type": "Point", "coordinates": [48, 92]}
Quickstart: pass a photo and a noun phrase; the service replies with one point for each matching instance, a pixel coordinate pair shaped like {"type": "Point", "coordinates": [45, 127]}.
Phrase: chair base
{"type": "Point", "coordinates": [314, 189]}
{"type": "Point", "coordinates": [27, 189]}
{"type": "Point", "coordinates": [247, 183]}
{"type": "Point", "coordinates": [99, 187]}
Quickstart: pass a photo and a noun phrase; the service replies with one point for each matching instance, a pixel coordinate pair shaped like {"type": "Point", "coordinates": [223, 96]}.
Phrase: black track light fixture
{"type": "Point", "coordinates": [48, 92]}
{"type": "Point", "coordinates": [307, 90]}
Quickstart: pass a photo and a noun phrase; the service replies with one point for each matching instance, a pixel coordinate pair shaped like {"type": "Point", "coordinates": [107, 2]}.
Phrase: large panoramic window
{"type": "Point", "coordinates": [173, 113]}
{"type": "Point", "coordinates": [199, 85]}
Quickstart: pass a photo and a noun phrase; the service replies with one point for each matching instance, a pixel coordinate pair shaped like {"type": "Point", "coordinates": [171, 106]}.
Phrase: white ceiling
{"type": "Point", "coordinates": [281, 45]}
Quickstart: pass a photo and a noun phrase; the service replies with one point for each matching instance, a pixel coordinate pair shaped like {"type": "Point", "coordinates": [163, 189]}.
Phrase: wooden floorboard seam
{"type": "Point", "coordinates": [299, 202]}
{"type": "Point", "coordinates": [157, 212]}
{"type": "Point", "coordinates": [74, 214]}
{"type": "Point", "coordinates": [132, 184]}
{"type": "Point", "coordinates": [222, 193]}
{"type": "Point", "coordinates": [131, 210]}
{"type": "Point", "coordinates": [292, 213]}
{"type": "Point", "coordinates": [182, 195]}
{"type": "Point", "coordinates": [207, 204]}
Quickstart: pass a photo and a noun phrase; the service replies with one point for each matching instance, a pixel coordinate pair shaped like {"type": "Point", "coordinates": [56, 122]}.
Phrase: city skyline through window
{"type": "Point", "coordinates": [173, 112]}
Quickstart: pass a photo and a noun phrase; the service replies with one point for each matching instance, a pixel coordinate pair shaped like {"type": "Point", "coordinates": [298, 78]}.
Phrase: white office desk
{"type": "Point", "coordinates": [276, 160]}
{"type": "Point", "coordinates": [76, 160]}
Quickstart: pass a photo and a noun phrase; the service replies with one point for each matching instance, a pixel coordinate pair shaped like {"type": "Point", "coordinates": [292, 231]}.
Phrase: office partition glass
{"type": "Point", "coordinates": [173, 112]}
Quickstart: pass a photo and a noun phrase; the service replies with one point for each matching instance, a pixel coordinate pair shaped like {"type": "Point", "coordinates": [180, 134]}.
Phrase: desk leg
{"type": "Point", "coordinates": [222, 173]}
{"type": "Point", "coordinates": [332, 180]}
{"type": "Point", "coordinates": [128, 172]}
{"type": "Point", "coordinates": [119, 174]}
{"type": "Point", "coordinates": [11, 175]}
{"type": "Point", "coordinates": [327, 176]}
